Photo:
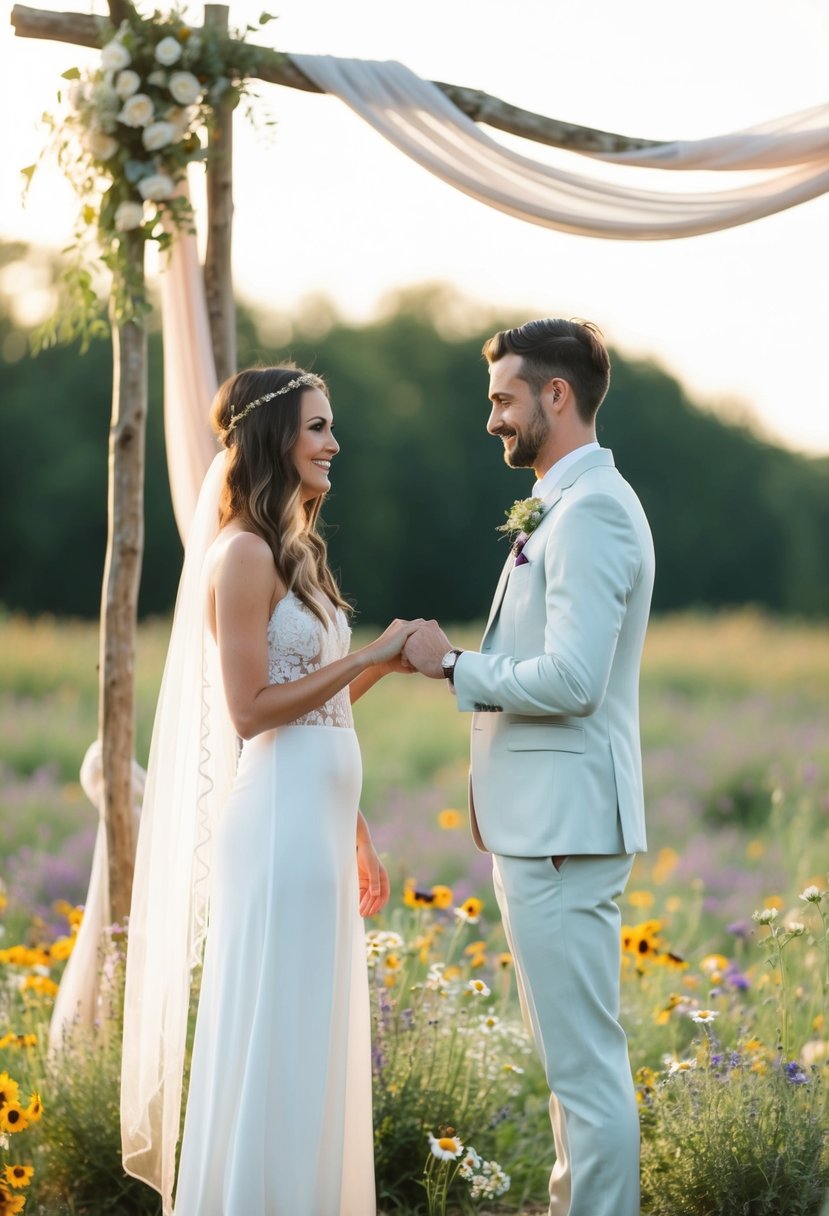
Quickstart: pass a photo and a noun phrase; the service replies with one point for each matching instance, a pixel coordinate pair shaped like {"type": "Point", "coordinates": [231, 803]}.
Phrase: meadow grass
{"type": "Point", "coordinates": [735, 726]}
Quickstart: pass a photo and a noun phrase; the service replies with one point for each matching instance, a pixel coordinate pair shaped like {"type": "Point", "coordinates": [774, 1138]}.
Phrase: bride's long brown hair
{"type": "Point", "coordinates": [262, 486]}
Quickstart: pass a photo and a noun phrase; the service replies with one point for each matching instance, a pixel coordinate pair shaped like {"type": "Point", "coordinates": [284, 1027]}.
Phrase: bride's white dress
{"type": "Point", "coordinates": [278, 1116]}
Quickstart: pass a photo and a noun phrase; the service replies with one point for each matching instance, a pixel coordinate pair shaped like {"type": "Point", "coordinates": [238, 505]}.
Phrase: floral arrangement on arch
{"type": "Point", "coordinates": [130, 127]}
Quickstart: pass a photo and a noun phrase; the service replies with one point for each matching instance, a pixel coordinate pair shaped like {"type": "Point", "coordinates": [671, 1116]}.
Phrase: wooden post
{"type": "Point", "coordinates": [119, 599]}
{"type": "Point", "coordinates": [218, 275]}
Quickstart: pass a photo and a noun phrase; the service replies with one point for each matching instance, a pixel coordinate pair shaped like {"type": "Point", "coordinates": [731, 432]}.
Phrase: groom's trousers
{"type": "Point", "coordinates": [563, 929]}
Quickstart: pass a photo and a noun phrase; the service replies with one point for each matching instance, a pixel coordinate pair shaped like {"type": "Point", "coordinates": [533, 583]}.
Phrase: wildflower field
{"type": "Point", "coordinates": [726, 961]}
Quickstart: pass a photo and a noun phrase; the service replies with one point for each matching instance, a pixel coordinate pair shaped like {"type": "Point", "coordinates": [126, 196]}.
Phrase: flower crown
{"type": "Point", "coordinates": [305, 378]}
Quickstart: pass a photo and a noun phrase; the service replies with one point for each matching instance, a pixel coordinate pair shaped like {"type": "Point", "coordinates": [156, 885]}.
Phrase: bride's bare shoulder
{"type": "Point", "coordinates": [241, 574]}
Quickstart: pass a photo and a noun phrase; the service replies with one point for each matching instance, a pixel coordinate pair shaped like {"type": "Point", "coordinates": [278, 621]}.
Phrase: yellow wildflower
{"type": "Point", "coordinates": [414, 897]}
{"type": "Point", "coordinates": [9, 1089]}
{"type": "Point", "coordinates": [35, 1108]}
{"type": "Point", "coordinates": [61, 949]}
{"type": "Point", "coordinates": [774, 901]}
{"type": "Point", "coordinates": [755, 850]}
{"type": "Point", "coordinates": [449, 819]}
{"type": "Point", "coordinates": [13, 1117]}
{"type": "Point", "coordinates": [667, 860]}
{"type": "Point", "coordinates": [470, 910]}
{"type": "Point", "coordinates": [10, 1204]}
{"type": "Point", "coordinates": [40, 984]}
{"type": "Point", "coordinates": [504, 960]}
{"type": "Point", "coordinates": [640, 899]}
{"type": "Point", "coordinates": [18, 1175]}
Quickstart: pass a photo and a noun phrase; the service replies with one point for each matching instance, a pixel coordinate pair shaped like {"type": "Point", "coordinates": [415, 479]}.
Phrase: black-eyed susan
{"type": "Point", "coordinates": [11, 1204]}
{"type": "Point", "coordinates": [442, 896]}
{"type": "Point", "coordinates": [449, 819]}
{"type": "Point", "coordinates": [9, 1089]}
{"type": "Point", "coordinates": [470, 910]}
{"type": "Point", "coordinates": [418, 897]}
{"type": "Point", "coordinates": [60, 949]}
{"type": "Point", "coordinates": [18, 1176]}
{"type": "Point", "coordinates": [13, 1118]}
{"type": "Point", "coordinates": [35, 1108]}
{"type": "Point", "coordinates": [504, 960]}
{"type": "Point", "coordinates": [446, 1147]}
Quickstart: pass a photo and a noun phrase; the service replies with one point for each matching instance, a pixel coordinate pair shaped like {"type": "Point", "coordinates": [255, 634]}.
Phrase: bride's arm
{"type": "Point", "coordinates": [243, 589]}
{"type": "Point", "coordinates": [368, 678]}
{"type": "Point", "coordinates": [372, 874]}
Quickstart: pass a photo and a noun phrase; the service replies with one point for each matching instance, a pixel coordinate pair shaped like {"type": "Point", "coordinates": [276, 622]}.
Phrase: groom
{"type": "Point", "coordinates": [556, 777]}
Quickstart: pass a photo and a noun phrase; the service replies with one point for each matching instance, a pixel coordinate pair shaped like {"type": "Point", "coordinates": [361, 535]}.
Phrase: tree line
{"type": "Point", "coordinates": [419, 487]}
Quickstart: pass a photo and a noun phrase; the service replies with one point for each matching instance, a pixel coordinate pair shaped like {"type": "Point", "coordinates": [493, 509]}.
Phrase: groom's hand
{"type": "Point", "coordinates": [425, 648]}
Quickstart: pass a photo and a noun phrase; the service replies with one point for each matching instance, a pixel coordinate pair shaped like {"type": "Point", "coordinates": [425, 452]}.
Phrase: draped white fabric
{"type": "Point", "coordinates": [190, 771]}
{"type": "Point", "coordinates": [192, 758]}
{"type": "Point", "coordinates": [78, 997]}
{"type": "Point", "coordinates": [189, 387]}
{"type": "Point", "coordinates": [792, 153]}
{"type": "Point", "coordinates": [189, 377]}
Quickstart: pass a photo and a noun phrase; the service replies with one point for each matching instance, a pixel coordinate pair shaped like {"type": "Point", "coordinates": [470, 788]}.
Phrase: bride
{"type": "Point", "coordinates": [278, 1119]}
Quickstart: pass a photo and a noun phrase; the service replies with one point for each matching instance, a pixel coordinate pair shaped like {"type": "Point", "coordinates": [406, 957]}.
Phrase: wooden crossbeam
{"type": "Point", "coordinates": [277, 67]}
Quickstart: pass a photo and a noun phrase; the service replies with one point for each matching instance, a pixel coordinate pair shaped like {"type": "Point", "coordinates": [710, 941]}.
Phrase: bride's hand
{"type": "Point", "coordinates": [386, 651]}
{"type": "Point", "coordinates": [373, 878]}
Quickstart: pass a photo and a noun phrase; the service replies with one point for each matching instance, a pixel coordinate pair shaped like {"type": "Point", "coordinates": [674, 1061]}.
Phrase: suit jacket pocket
{"type": "Point", "coordinates": [541, 736]}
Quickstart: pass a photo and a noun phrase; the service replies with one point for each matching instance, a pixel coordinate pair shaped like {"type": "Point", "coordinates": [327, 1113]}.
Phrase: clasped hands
{"type": "Point", "coordinates": [408, 646]}
{"type": "Point", "coordinates": [425, 648]}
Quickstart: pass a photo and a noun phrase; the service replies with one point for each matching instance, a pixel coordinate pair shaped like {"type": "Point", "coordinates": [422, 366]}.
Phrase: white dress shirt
{"type": "Point", "coordinates": [545, 486]}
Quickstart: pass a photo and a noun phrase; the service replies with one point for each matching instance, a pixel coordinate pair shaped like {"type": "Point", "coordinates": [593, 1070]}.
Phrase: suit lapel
{"type": "Point", "coordinates": [499, 593]}
{"type": "Point", "coordinates": [597, 457]}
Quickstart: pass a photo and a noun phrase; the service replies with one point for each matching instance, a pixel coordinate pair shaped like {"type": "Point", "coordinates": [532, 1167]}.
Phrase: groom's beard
{"type": "Point", "coordinates": [527, 446]}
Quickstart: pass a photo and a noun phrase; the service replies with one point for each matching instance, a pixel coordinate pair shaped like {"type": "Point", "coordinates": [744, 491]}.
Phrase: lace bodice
{"type": "Point", "coordinates": [298, 644]}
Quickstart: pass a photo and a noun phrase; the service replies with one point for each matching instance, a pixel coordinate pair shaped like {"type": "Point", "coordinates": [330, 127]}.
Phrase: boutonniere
{"type": "Point", "coordinates": [524, 515]}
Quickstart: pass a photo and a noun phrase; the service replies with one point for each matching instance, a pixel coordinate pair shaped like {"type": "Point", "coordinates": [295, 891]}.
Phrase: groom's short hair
{"type": "Point", "coordinates": [551, 347]}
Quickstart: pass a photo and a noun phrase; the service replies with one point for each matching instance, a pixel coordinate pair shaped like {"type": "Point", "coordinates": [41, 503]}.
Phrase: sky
{"type": "Point", "coordinates": [323, 205]}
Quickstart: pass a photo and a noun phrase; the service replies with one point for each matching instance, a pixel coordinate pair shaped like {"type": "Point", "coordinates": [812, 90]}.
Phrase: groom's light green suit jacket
{"type": "Point", "coordinates": [556, 762]}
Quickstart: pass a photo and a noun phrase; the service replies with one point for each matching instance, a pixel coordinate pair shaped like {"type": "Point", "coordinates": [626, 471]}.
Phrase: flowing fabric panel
{"type": "Point", "coordinates": [421, 121]}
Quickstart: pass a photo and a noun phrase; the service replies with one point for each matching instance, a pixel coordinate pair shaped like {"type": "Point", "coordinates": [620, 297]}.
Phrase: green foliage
{"type": "Point", "coordinates": [444, 1055]}
{"type": "Point", "coordinates": [419, 487]}
{"type": "Point", "coordinates": [725, 1140]}
{"type": "Point", "coordinates": [124, 138]}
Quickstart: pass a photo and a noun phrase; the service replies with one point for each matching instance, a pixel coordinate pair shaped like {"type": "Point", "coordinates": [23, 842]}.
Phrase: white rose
{"type": "Point", "coordinates": [158, 135]}
{"type": "Point", "coordinates": [185, 88]}
{"type": "Point", "coordinates": [127, 83]}
{"type": "Point", "coordinates": [114, 56]}
{"type": "Point", "coordinates": [137, 111]}
{"type": "Point", "coordinates": [168, 51]}
{"type": "Point", "coordinates": [180, 119]}
{"type": "Point", "coordinates": [156, 187]}
{"type": "Point", "coordinates": [76, 94]}
{"type": "Point", "coordinates": [101, 146]}
{"type": "Point", "coordinates": [129, 216]}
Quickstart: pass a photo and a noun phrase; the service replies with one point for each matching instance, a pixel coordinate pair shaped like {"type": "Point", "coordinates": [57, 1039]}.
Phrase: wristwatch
{"type": "Point", "coordinates": [447, 665]}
